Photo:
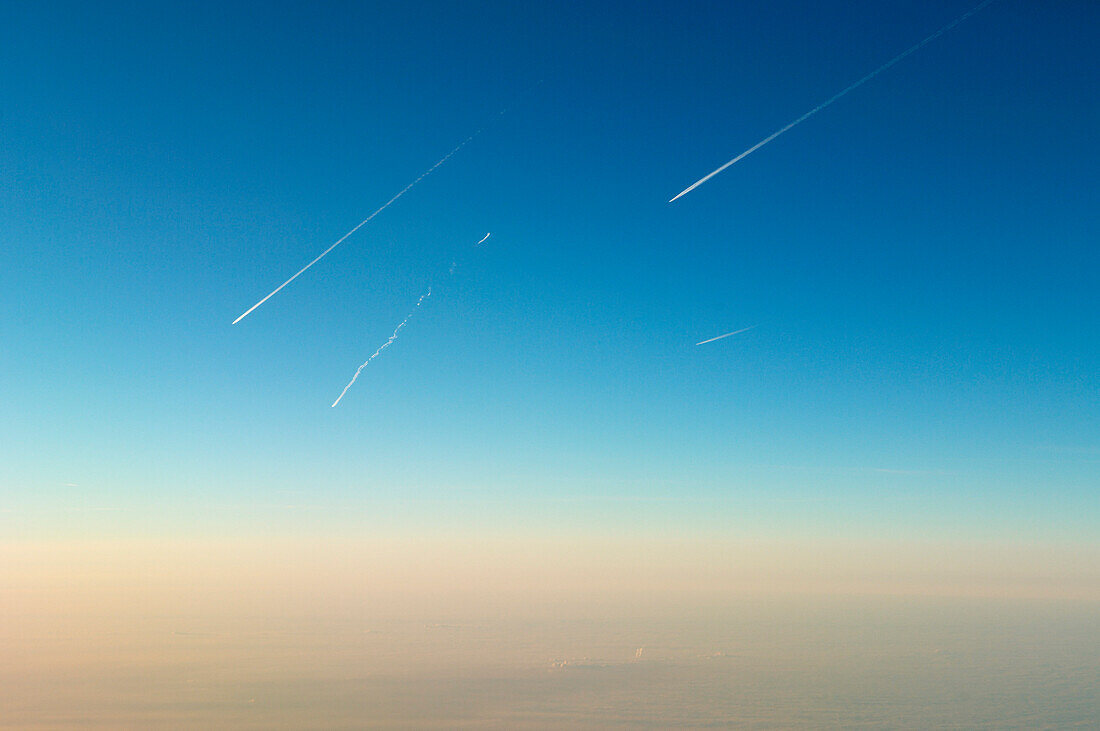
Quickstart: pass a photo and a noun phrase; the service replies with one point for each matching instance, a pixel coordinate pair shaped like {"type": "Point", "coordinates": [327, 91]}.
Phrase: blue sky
{"type": "Point", "coordinates": [920, 258]}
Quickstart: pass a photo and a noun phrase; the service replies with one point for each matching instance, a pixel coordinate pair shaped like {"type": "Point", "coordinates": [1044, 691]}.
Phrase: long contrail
{"type": "Point", "coordinates": [833, 98]}
{"type": "Point", "coordinates": [361, 224]}
{"type": "Point", "coordinates": [735, 332]}
{"type": "Point", "coordinates": [381, 347]}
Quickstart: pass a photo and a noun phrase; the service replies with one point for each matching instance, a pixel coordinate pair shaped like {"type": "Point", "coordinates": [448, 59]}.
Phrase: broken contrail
{"type": "Point", "coordinates": [735, 332]}
{"type": "Point", "coordinates": [479, 243]}
{"type": "Point", "coordinates": [833, 98]}
{"type": "Point", "coordinates": [361, 224]}
{"type": "Point", "coordinates": [382, 347]}
{"type": "Point", "coordinates": [450, 271]}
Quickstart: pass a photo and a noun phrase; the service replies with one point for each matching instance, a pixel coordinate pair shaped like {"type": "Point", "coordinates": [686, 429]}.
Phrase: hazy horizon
{"type": "Point", "coordinates": [519, 633]}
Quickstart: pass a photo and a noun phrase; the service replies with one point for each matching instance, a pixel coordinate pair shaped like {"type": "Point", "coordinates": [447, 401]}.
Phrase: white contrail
{"type": "Point", "coordinates": [361, 224]}
{"type": "Point", "coordinates": [735, 332]}
{"type": "Point", "coordinates": [833, 98]}
{"type": "Point", "coordinates": [479, 243]}
{"type": "Point", "coordinates": [382, 347]}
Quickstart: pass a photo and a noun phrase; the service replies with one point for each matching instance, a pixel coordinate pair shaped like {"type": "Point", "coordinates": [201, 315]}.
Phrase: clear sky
{"type": "Point", "coordinates": [920, 259]}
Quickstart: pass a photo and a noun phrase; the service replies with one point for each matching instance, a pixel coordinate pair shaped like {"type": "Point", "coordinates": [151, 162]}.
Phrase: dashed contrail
{"type": "Point", "coordinates": [833, 98]}
{"type": "Point", "coordinates": [735, 332]}
{"type": "Point", "coordinates": [382, 347]}
{"type": "Point", "coordinates": [479, 243]}
{"type": "Point", "coordinates": [361, 224]}
{"type": "Point", "coordinates": [450, 271]}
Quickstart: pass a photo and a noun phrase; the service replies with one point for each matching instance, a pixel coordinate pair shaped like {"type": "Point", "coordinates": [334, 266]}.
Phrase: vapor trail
{"type": "Point", "coordinates": [833, 98]}
{"type": "Point", "coordinates": [382, 347]}
{"type": "Point", "coordinates": [479, 243]}
{"type": "Point", "coordinates": [361, 224]}
{"type": "Point", "coordinates": [735, 332]}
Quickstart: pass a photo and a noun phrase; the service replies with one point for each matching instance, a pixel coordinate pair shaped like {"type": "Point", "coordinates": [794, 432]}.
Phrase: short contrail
{"type": "Point", "coordinates": [382, 347]}
{"type": "Point", "coordinates": [361, 224]}
{"type": "Point", "coordinates": [479, 243]}
{"type": "Point", "coordinates": [833, 98]}
{"type": "Point", "coordinates": [735, 332]}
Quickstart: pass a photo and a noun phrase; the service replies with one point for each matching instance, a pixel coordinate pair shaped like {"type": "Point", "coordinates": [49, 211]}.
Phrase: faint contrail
{"type": "Point", "coordinates": [479, 243]}
{"type": "Point", "coordinates": [735, 332]}
{"type": "Point", "coordinates": [833, 98]}
{"type": "Point", "coordinates": [382, 347]}
{"type": "Point", "coordinates": [361, 224]}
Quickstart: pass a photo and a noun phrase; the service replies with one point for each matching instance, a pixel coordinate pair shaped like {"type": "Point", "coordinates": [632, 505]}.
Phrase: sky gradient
{"type": "Point", "coordinates": [919, 258]}
{"type": "Point", "coordinates": [914, 412]}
